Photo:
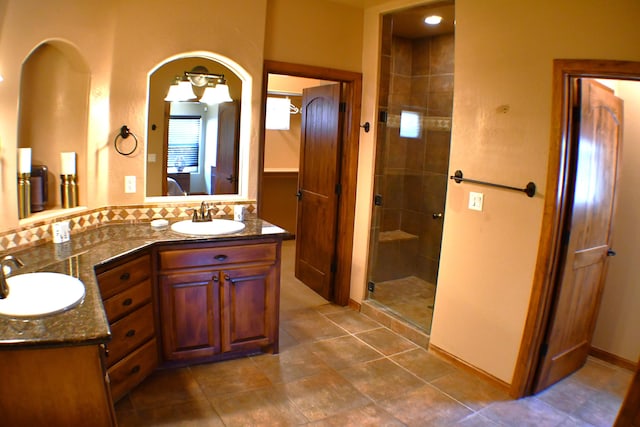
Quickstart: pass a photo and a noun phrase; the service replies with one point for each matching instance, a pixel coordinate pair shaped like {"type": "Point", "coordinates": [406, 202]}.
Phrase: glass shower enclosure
{"type": "Point", "coordinates": [412, 157]}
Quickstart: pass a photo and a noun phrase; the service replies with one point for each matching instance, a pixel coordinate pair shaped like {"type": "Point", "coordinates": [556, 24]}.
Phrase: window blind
{"type": "Point", "coordinates": [185, 133]}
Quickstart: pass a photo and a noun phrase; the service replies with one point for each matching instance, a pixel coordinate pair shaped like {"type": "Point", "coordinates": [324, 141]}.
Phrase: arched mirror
{"type": "Point", "coordinates": [194, 139]}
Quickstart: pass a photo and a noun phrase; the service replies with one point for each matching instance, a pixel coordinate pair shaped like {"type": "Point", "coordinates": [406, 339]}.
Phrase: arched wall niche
{"type": "Point", "coordinates": [54, 110]}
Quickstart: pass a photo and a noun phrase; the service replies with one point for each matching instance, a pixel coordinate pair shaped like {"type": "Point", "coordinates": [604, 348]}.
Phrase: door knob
{"type": "Point", "coordinates": [611, 252]}
{"type": "Point", "coordinates": [437, 215]}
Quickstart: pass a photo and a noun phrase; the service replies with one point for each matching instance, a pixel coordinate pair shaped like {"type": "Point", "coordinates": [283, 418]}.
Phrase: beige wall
{"type": "Point", "coordinates": [123, 40]}
{"type": "Point", "coordinates": [87, 26]}
{"type": "Point", "coordinates": [617, 329]}
{"type": "Point", "coordinates": [504, 53]}
{"type": "Point", "coordinates": [313, 32]}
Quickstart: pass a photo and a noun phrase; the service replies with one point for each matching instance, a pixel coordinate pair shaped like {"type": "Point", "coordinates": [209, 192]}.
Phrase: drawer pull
{"type": "Point", "coordinates": [125, 276]}
{"type": "Point", "coordinates": [127, 302]}
{"type": "Point", "coordinates": [220, 257]}
{"type": "Point", "coordinates": [135, 369]}
{"type": "Point", "coordinates": [130, 333]}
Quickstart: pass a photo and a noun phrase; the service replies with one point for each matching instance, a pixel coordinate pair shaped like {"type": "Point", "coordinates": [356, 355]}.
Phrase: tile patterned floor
{"type": "Point", "coordinates": [338, 367]}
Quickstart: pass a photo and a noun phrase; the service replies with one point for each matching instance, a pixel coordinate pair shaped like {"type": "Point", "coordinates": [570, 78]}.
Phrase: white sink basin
{"type": "Point", "coordinates": [39, 294]}
{"type": "Point", "coordinates": [209, 228]}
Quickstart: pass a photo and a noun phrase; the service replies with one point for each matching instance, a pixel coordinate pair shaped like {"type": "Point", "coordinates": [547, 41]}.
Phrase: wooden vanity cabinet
{"type": "Point", "coordinates": [126, 289]}
{"type": "Point", "coordinates": [55, 386]}
{"type": "Point", "coordinates": [219, 299]}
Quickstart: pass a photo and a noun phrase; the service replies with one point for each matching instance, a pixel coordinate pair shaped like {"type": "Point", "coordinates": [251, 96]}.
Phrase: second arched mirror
{"type": "Point", "coordinates": [193, 141]}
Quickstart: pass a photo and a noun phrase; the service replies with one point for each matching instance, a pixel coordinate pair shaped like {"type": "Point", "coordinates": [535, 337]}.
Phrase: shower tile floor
{"type": "Point", "coordinates": [411, 298]}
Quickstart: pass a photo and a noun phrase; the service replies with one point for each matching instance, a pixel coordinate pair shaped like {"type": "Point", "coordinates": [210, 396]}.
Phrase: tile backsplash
{"type": "Point", "coordinates": [41, 231]}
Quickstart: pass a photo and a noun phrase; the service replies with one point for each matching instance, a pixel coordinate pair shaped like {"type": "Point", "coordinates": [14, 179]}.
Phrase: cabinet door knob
{"type": "Point", "coordinates": [220, 257]}
{"type": "Point", "coordinates": [130, 333]}
{"type": "Point", "coordinates": [215, 278]}
{"type": "Point", "coordinates": [227, 278]}
{"type": "Point", "coordinates": [125, 276]}
{"type": "Point", "coordinates": [127, 302]}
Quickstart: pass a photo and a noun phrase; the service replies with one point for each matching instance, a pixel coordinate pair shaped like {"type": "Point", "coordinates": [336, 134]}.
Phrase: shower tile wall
{"type": "Point", "coordinates": [411, 173]}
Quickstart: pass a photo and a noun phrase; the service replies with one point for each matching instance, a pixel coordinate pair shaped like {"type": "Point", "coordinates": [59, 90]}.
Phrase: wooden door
{"type": "Point", "coordinates": [318, 187]}
{"type": "Point", "coordinates": [629, 415]}
{"type": "Point", "coordinates": [226, 172]}
{"type": "Point", "coordinates": [587, 233]}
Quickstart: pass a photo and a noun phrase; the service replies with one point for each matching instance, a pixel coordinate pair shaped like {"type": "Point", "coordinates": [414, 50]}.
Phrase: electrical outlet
{"type": "Point", "coordinates": [475, 201]}
{"type": "Point", "coordinates": [129, 184]}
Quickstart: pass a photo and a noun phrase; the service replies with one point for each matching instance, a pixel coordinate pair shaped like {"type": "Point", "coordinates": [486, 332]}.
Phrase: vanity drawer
{"type": "Point", "coordinates": [129, 332]}
{"type": "Point", "coordinates": [220, 255]}
{"type": "Point", "coordinates": [127, 301]}
{"type": "Point", "coordinates": [124, 276]}
{"type": "Point", "coordinates": [134, 368]}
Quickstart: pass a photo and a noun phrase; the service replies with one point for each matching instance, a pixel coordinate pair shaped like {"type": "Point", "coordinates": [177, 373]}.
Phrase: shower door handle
{"type": "Point", "coordinates": [437, 215]}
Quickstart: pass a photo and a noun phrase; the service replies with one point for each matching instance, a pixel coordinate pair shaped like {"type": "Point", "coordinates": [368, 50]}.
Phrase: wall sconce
{"type": "Point", "coordinates": [216, 90]}
{"type": "Point", "coordinates": [180, 90]}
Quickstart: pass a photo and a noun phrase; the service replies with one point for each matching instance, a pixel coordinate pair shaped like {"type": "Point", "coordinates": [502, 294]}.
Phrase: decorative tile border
{"type": "Point", "coordinates": [436, 123]}
{"type": "Point", "coordinates": [40, 232]}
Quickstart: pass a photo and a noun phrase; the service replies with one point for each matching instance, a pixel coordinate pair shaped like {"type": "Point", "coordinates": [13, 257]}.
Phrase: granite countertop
{"type": "Point", "coordinates": [86, 323]}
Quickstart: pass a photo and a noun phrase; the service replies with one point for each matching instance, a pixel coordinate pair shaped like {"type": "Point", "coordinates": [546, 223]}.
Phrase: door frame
{"type": "Point", "coordinates": [352, 90]}
{"type": "Point", "coordinates": [555, 209]}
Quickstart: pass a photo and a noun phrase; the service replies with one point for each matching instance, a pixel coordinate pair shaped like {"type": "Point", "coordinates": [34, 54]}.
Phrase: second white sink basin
{"type": "Point", "coordinates": [41, 293]}
{"type": "Point", "coordinates": [208, 228]}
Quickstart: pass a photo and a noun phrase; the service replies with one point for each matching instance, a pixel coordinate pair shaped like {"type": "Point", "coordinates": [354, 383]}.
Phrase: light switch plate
{"type": "Point", "coordinates": [475, 201]}
{"type": "Point", "coordinates": [130, 184]}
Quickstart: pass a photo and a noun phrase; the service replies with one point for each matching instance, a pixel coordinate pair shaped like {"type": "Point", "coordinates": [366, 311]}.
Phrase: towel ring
{"type": "Point", "coordinates": [124, 134]}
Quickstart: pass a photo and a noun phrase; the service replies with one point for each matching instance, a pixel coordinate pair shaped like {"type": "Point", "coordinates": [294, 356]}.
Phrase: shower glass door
{"type": "Point", "coordinates": [412, 156]}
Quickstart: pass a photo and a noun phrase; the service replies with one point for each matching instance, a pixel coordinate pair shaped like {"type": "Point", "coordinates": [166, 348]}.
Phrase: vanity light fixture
{"type": "Point", "coordinates": [216, 90]}
{"type": "Point", "coordinates": [180, 90]}
{"type": "Point", "coordinates": [433, 20]}
{"type": "Point", "coordinates": [216, 94]}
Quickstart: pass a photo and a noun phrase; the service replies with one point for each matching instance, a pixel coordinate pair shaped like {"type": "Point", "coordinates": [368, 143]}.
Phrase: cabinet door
{"type": "Point", "coordinates": [190, 315]}
{"type": "Point", "coordinates": [250, 308]}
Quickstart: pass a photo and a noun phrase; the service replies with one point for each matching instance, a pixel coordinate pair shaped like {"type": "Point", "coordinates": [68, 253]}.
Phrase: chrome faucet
{"type": "Point", "coordinates": [203, 214]}
{"type": "Point", "coordinates": [4, 286]}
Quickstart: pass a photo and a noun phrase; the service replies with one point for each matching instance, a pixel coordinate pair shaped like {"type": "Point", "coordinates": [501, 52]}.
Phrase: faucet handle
{"type": "Point", "coordinates": [13, 259]}
{"type": "Point", "coordinates": [194, 214]}
{"type": "Point", "coordinates": [10, 259]}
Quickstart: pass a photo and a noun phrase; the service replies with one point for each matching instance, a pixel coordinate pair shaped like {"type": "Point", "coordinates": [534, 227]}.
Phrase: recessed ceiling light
{"type": "Point", "coordinates": [433, 20]}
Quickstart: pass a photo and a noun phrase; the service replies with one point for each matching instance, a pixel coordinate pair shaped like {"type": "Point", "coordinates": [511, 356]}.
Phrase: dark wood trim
{"type": "Point", "coordinates": [555, 208]}
{"type": "Point", "coordinates": [614, 359]}
{"type": "Point", "coordinates": [165, 146]}
{"type": "Point", "coordinates": [354, 305]}
{"type": "Point", "coordinates": [497, 382]}
{"type": "Point", "coordinates": [346, 212]}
